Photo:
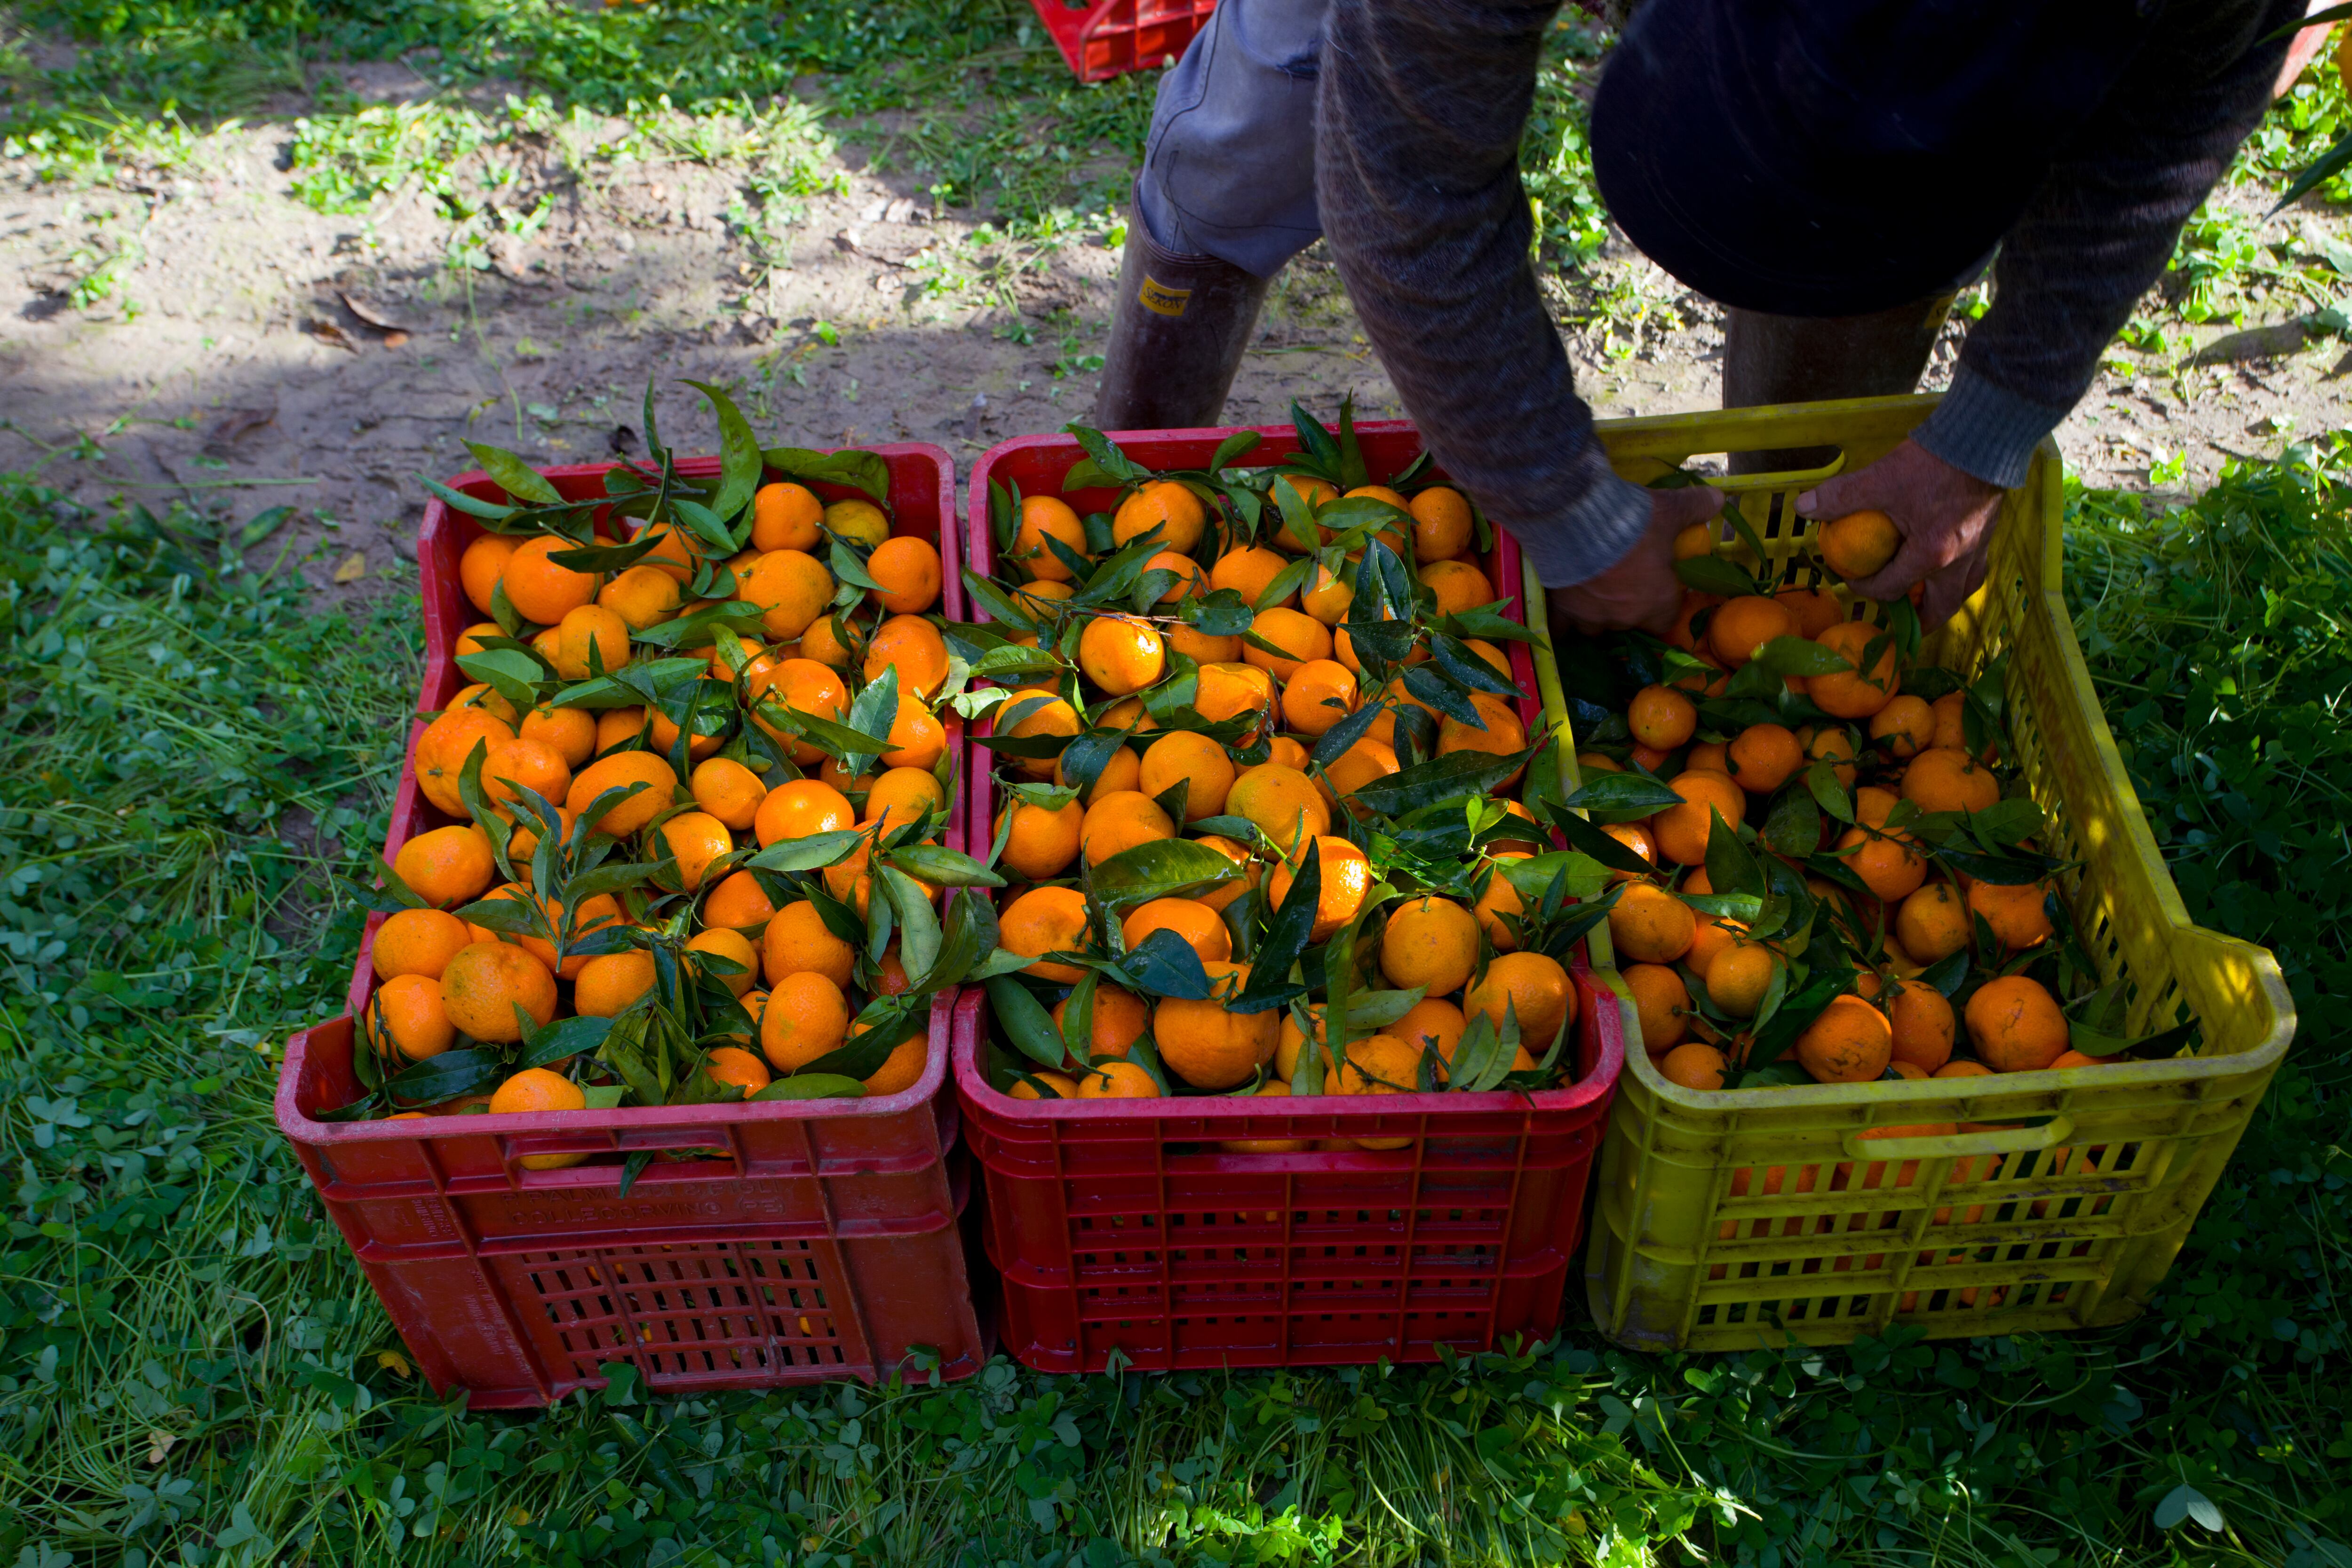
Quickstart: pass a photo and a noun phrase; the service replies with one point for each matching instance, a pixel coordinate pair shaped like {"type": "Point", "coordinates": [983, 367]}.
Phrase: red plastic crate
{"type": "Point", "coordinates": [1119, 1225]}
{"type": "Point", "coordinates": [820, 1243]}
{"type": "Point", "coordinates": [1323, 1257]}
{"type": "Point", "coordinates": [1105, 39]}
{"type": "Point", "coordinates": [921, 502]}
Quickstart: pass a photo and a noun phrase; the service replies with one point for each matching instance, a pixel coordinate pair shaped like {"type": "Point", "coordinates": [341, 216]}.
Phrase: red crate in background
{"type": "Point", "coordinates": [921, 502]}
{"type": "Point", "coordinates": [1104, 39]}
{"type": "Point", "coordinates": [810, 1240]}
{"type": "Point", "coordinates": [1121, 1225]}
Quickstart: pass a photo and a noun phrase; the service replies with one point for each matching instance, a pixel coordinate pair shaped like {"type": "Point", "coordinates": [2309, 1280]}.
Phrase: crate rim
{"type": "Point", "coordinates": [1972, 1093]}
{"type": "Point", "coordinates": [302, 1127]}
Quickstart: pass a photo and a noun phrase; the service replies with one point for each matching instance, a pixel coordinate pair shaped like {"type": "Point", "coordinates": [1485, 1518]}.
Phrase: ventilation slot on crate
{"type": "Point", "coordinates": [688, 1314]}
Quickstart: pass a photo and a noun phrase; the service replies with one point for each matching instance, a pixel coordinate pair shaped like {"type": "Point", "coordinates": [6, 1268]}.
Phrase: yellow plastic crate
{"type": "Point", "coordinates": [1716, 1227]}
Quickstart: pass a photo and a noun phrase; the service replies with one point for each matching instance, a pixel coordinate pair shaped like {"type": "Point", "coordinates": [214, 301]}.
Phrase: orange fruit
{"type": "Point", "coordinates": [1660, 999]}
{"type": "Point", "coordinates": [726, 1064]}
{"type": "Point", "coordinates": [785, 516]}
{"type": "Point", "coordinates": [1855, 693]}
{"type": "Point", "coordinates": [909, 571]}
{"type": "Point", "coordinates": [912, 646]}
{"type": "Point", "coordinates": [1205, 1043]}
{"type": "Point", "coordinates": [1458, 586]}
{"type": "Point", "coordinates": [1831, 743]}
{"type": "Point", "coordinates": [1193, 760]}
{"type": "Point", "coordinates": [1189, 583]}
{"type": "Point", "coordinates": [417, 942]}
{"type": "Point", "coordinates": [799, 942]}
{"type": "Point", "coordinates": [1712, 756]}
{"type": "Point", "coordinates": [1887, 863]}
{"type": "Point", "coordinates": [607, 983]}
{"type": "Point", "coordinates": [1710, 941]}
{"type": "Point", "coordinates": [1282, 801]}
{"type": "Point", "coordinates": [1905, 727]}
{"type": "Point", "coordinates": [2081, 1059]}
{"type": "Point", "coordinates": [1850, 1042]}
{"type": "Point", "coordinates": [900, 797]}
{"type": "Point", "coordinates": [735, 947]}
{"type": "Point", "coordinates": [1949, 781]}
{"type": "Point", "coordinates": [1933, 923]}
{"type": "Point", "coordinates": [471, 640]}
{"type": "Point", "coordinates": [859, 521]}
{"type": "Point", "coordinates": [1117, 1080]}
{"type": "Point", "coordinates": [1363, 763]}
{"type": "Point", "coordinates": [484, 984]}
{"type": "Point", "coordinates": [1502, 736]}
{"type": "Point", "coordinates": [1741, 626]}
{"type": "Point", "coordinates": [790, 589]}
{"type": "Point", "coordinates": [1694, 1066]}
{"type": "Point", "coordinates": [1277, 1088]}
{"type": "Point", "coordinates": [801, 685]}
{"type": "Point", "coordinates": [1118, 1020]}
{"type": "Point", "coordinates": [1120, 822]}
{"type": "Point", "coordinates": [1530, 985]}
{"type": "Point", "coordinates": [1045, 920]}
{"type": "Point", "coordinates": [1963, 1068]}
{"type": "Point", "coordinates": [616, 726]}
{"type": "Point", "coordinates": [1873, 806]}
{"type": "Point", "coordinates": [1300, 637]}
{"type": "Point", "coordinates": [901, 1070]}
{"type": "Point", "coordinates": [738, 903]}
{"type": "Point", "coordinates": [1042, 842]}
{"type": "Point", "coordinates": [1737, 977]}
{"type": "Point", "coordinates": [1682, 831]}
{"type": "Point", "coordinates": [448, 866]}
{"type": "Point", "coordinates": [1922, 1026]}
{"type": "Point", "coordinates": [2015, 1025]}
{"type": "Point", "coordinates": [406, 1015]}
{"type": "Point", "coordinates": [1650, 925]}
{"type": "Point", "coordinates": [1763, 758]}
{"type": "Point", "coordinates": [806, 1015]}
{"type": "Point", "coordinates": [1166, 504]}
{"type": "Point", "coordinates": [1442, 527]}
{"type": "Point", "coordinates": [727, 790]}
{"type": "Point", "coordinates": [537, 1089]}
{"type": "Point", "coordinates": [695, 839]}
{"type": "Point", "coordinates": [540, 592]}
{"type": "Point", "coordinates": [481, 565]}
{"type": "Point", "coordinates": [442, 750]}
{"type": "Point", "coordinates": [1225, 690]}
{"type": "Point", "coordinates": [642, 596]}
{"type": "Point", "coordinates": [823, 643]}
{"type": "Point", "coordinates": [520, 764]}
{"type": "Point", "coordinates": [1346, 880]}
{"type": "Point", "coordinates": [710, 723]}
{"type": "Point", "coordinates": [1195, 923]}
{"type": "Point", "coordinates": [619, 772]}
{"type": "Point", "coordinates": [1662, 718]}
{"type": "Point", "coordinates": [1289, 1045]}
{"type": "Point", "coordinates": [1859, 544]}
{"type": "Point", "coordinates": [572, 731]}
{"type": "Point", "coordinates": [1061, 1085]}
{"type": "Point", "coordinates": [1043, 517]}
{"type": "Point", "coordinates": [1286, 751]}
{"type": "Point", "coordinates": [1124, 770]}
{"type": "Point", "coordinates": [800, 809]}
{"type": "Point", "coordinates": [1951, 724]}
{"type": "Point", "coordinates": [1813, 610]}
{"type": "Point", "coordinates": [1378, 1064]}
{"type": "Point", "coordinates": [1199, 646]}
{"type": "Point", "coordinates": [917, 738]}
{"type": "Point", "coordinates": [1318, 695]}
{"type": "Point", "coordinates": [1634, 837]}
{"type": "Point", "coordinates": [1500, 899]}
{"type": "Point", "coordinates": [1249, 570]}
{"type": "Point", "coordinates": [1225, 892]}
{"type": "Point", "coordinates": [2015, 913]}
{"type": "Point", "coordinates": [1432, 1023]}
{"type": "Point", "coordinates": [1428, 944]}
{"type": "Point", "coordinates": [1037, 712]}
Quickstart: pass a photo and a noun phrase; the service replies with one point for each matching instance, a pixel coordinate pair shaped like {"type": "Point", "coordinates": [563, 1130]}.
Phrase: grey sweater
{"type": "Point", "coordinates": [1419, 113]}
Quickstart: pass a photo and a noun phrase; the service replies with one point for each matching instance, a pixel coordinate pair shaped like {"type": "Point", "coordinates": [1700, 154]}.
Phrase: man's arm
{"type": "Point", "coordinates": [1419, 118]}
{"type": "Point", "coordinates": [2093, 239]}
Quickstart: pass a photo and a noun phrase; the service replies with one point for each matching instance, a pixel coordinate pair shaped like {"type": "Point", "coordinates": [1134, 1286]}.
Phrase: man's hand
{"type": "Point", "coordinates": [1641, 590]}
{"type": "Point", "coordinates": [1944, 518]}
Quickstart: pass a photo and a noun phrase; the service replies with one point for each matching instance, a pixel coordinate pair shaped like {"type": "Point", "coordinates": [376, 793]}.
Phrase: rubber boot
{"type": "Point", "coordinates": [1176, 336]}
{"type": "Point", "coordinates": [1811, 359]}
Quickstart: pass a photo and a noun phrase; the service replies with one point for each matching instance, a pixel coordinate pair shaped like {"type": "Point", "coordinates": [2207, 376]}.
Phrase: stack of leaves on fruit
{"type": "Point", "coordinates": [1254, 743]}
{"type": "Point", "coordinates": [1826, 859]}
{"type": "Point", "coordinates": [698, 786]}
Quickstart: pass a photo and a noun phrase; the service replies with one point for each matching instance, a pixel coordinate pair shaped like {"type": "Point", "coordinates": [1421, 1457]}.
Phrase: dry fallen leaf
{"type": "Point", "coordinates": [328, 332]}
{"type": "Point", "coordinates": [370, 315]}
{"type": "Point", "coordinates": [392, 1361]}
{"type": "Point", "coordinates": [354, 567]}
{"type": "Point", "coordinates": [158, 1445]}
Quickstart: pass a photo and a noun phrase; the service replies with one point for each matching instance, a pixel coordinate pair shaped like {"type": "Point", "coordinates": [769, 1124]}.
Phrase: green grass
{"type": "Point", "coordinates": [191, 1368]}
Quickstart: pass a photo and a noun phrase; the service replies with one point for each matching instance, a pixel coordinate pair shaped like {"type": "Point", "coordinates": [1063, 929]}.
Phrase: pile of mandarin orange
{"type": "Point", "coordinates": [1920, 931]}
{"type": "Point", "coordinates": [1216, 737]}
{"type": "Point", "coordinates": [747, 779]}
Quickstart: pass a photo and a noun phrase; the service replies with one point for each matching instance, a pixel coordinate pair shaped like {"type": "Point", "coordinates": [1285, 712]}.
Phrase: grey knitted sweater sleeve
{"type": "Point", "coordinates": [1417, 143]}
{"type": "Point", "coordinates": [2102, 228]}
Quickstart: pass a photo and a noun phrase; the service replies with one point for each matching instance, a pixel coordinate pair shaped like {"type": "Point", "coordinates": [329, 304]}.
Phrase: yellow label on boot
{"type": "Point", "coordinates": [1160, 299]}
